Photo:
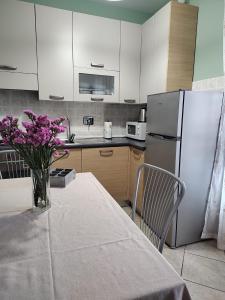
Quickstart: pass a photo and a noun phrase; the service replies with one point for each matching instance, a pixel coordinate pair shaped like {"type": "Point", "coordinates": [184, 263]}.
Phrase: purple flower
{"type": "Point", "coordinates": [37, 141]}
{"type": "Point", "coordinates": [32, 116]}
{"type": "Point", "coordinates": [19, 140]}
{"type": "Point", "coordinates": [42, 120]}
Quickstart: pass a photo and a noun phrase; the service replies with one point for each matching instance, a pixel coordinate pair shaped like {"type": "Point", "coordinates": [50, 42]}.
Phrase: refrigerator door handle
{"type": "Point", "coordinates": [164, 137]}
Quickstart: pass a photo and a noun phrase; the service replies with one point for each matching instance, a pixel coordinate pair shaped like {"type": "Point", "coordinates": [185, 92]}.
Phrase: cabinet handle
{"type": "Point", "coordinates": [137, 154]}
{"type": "Point", "coordinates": [106, 152]}
{"type": "Point", "coordinates": [97, 99]}
{"type": "Point", "coordinates": [129, 100]}
{"type": "Point", "coordinates": [7, 68]}
{"type": "Point", "coordinates": [52, 97]}
{"type": "Point", "coordinates": [97, 65]}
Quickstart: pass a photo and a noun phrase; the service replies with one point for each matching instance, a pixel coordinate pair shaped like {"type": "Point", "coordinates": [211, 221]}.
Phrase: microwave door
{"type": "Point", "coordinates": [131, 129]}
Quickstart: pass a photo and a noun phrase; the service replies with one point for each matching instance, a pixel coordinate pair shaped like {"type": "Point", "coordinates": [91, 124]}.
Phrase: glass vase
{"type": "Point", "coordinates": [41, 189]}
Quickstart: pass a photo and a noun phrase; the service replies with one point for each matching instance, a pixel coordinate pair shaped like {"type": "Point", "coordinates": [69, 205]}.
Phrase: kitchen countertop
{"type": "Point", "coordinates": [97, 143]}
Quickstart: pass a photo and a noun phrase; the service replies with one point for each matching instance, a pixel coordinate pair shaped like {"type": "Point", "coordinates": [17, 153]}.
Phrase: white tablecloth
{"type": "Point", "coordinates": [84, 247]}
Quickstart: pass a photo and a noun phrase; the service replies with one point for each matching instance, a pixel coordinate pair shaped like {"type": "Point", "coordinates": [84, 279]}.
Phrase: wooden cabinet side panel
{"type": "Point", "coordinates": [183, 28]}
{"type": "Point", "coordinates": [111, 171]}
{"type": "Point", "coordinates": [73, 161]}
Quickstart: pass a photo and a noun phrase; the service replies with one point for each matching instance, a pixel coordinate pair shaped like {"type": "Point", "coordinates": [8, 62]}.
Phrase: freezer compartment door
{"type": "Point", "coordinates": [164, 113]}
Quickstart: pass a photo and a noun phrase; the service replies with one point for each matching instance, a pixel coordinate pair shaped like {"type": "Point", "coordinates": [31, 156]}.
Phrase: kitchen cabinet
{"type": "Point", "coordinates": [136, 159]}
{"type": "Point", "coordinates": [130, 52]}
{"type": "Point", "coordinates": [96, 85]}
{"type": "Point", "coordinates": [55, 55]}
{"type": "Point", "coordinates": [96, 42]}
{"type": "Point", "coordinates": [111, 167]}
{"type": "Point", "coordinates": [72, 161]}
{"type": "Point", "coordinates": [18, 63]}
{"type": "Point", "coordinates": [168, 49]}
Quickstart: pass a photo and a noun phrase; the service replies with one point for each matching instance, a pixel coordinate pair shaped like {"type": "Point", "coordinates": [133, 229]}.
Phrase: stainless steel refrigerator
{"type": "Point", "coordinates": [182, 130]}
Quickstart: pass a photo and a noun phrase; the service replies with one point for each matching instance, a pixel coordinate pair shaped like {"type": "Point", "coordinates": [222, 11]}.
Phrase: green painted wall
{"type": "Point", "coordinates": [89, 7]}
{"type": "Point", "coordinates": [209, 45]}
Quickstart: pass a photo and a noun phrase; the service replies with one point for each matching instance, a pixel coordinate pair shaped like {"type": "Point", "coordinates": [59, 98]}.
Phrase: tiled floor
{"type": "Point", "coordinates": [202, 267]}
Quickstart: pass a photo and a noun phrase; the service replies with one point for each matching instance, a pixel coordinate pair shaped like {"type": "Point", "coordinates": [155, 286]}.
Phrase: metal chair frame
{"type": "Point", "coordinates": [162, 195]}
{"type": "Point", "coordinates": [14, 165]}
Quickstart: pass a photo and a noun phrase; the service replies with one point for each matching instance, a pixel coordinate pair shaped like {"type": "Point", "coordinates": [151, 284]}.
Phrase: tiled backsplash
{"type": "Point", "coordinates": [14, 102]}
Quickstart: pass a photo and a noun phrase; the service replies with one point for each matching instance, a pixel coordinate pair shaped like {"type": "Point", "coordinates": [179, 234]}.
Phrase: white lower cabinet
{"type": "Point", "coordinates": [130, 51]}
{"type": "Point", "coordinates": [96, 85]}
{"type": "Point", "coordinates": [54, 50]}
{"type": "Point", "coordinates": [18, 63]}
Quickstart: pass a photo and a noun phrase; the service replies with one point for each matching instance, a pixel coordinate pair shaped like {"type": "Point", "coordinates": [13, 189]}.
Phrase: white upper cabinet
{"type": "Point", "coordinates": [130, 62]}
{"type": "Point", "coordinates": [96, 42]}
{"type": "Point", "coordinates": [17, 45]}
{"type": "Point", "coordinates": [54, 50]}
{"type": "Point", "coordinates": [154, 53]}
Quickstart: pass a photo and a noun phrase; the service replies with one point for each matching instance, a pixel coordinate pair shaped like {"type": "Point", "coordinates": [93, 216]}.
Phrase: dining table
{"type": "Point", "coordinates": [84, 247]}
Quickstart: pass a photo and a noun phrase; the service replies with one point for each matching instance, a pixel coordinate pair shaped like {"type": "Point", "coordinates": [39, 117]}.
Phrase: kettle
{"type": "Point", "coordinates": [142, 115]}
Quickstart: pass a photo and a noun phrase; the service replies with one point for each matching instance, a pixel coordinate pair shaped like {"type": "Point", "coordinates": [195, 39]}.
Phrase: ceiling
{"type": "Point", "coordinates": [144, 6]}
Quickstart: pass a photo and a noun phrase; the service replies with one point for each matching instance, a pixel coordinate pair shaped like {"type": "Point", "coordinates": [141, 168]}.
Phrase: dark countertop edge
{"type": "Point", "coordinates": [103, 145]}
{"type": "Point", "coordinates": [115, 142]}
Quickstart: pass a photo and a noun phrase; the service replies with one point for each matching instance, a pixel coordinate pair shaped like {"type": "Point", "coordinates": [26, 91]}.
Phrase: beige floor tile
{"type": "Point", "coordinates": [127, 209]}
{"type": "Point", "coordinates": [174, 257]}
{"type": "Point", "coordinates": [199, 292]}
{"type": "Point", "coordinates": [206, 249]}
{"type": "Point", "coordinates": [205, 271]}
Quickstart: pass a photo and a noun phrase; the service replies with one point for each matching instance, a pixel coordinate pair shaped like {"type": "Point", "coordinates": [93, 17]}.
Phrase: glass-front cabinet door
{"type": "Point", "coordinates": [96, 85]}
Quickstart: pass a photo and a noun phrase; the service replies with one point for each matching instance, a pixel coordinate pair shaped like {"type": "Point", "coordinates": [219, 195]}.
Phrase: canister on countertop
{"type": "Point", "coordinates": [107, 130]}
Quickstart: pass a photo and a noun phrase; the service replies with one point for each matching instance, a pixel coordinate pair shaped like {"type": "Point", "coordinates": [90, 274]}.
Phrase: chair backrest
{"type": "Point", "coordinates": [161, 193]}
{"type": "Point", "coordinates": [12, 165]}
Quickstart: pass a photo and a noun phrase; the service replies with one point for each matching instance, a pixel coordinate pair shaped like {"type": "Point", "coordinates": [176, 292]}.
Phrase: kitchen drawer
{"type": "Point", "coordinates": [110, 166]}
{"type": "Point", "coordinates": [136, 159]}
{"type": "Point", "coordinates": [73, 161]}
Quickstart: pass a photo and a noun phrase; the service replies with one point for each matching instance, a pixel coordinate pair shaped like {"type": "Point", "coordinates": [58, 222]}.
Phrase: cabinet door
{"type": "Point", "coordinates": [73, 161]}
{"type": "Point", "coordinates": [130, 62]}
{"type": "Point", "coordinates": [155, 53]}
{"type": "Point", "coordinates": [136, 159]}
{"type": "Point", "coordinates": [96, 42]}
{"type": "Point", "coordinates": [18, 45]}
{"type": "Point", "coordinates": [162, 28]}
{"type": "Point", "coordinates": [54, 49]}
{"type": "Point", "coordinates": [110, 166]}
{"type": "Point", "coordinates": [96, 85]}
{"type": "Point", "coordinates": [147, 82]}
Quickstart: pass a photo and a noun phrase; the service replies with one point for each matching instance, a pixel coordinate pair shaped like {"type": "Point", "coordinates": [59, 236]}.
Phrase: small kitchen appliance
{"type": "Point", "coordinates": [136, 130]}
{"type": "Point", "coordinates": [107, 130]}
{"type": "Point", "coordinates": [142, 115]}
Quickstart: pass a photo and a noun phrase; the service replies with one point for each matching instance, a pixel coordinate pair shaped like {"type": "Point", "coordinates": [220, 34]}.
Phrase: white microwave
{"type": "Point", "coordinates": [136, 130]}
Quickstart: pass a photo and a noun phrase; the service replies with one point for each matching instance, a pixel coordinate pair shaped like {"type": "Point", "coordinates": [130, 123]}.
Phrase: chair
{"type": "Point", "coordinates": [161, 194]}
{"type": "Point", "coordinates": [12, 165]}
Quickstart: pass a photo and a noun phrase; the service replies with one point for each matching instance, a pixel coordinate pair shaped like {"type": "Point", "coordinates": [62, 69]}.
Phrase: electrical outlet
{"type": "Point", "coordinates": [88, 120]}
